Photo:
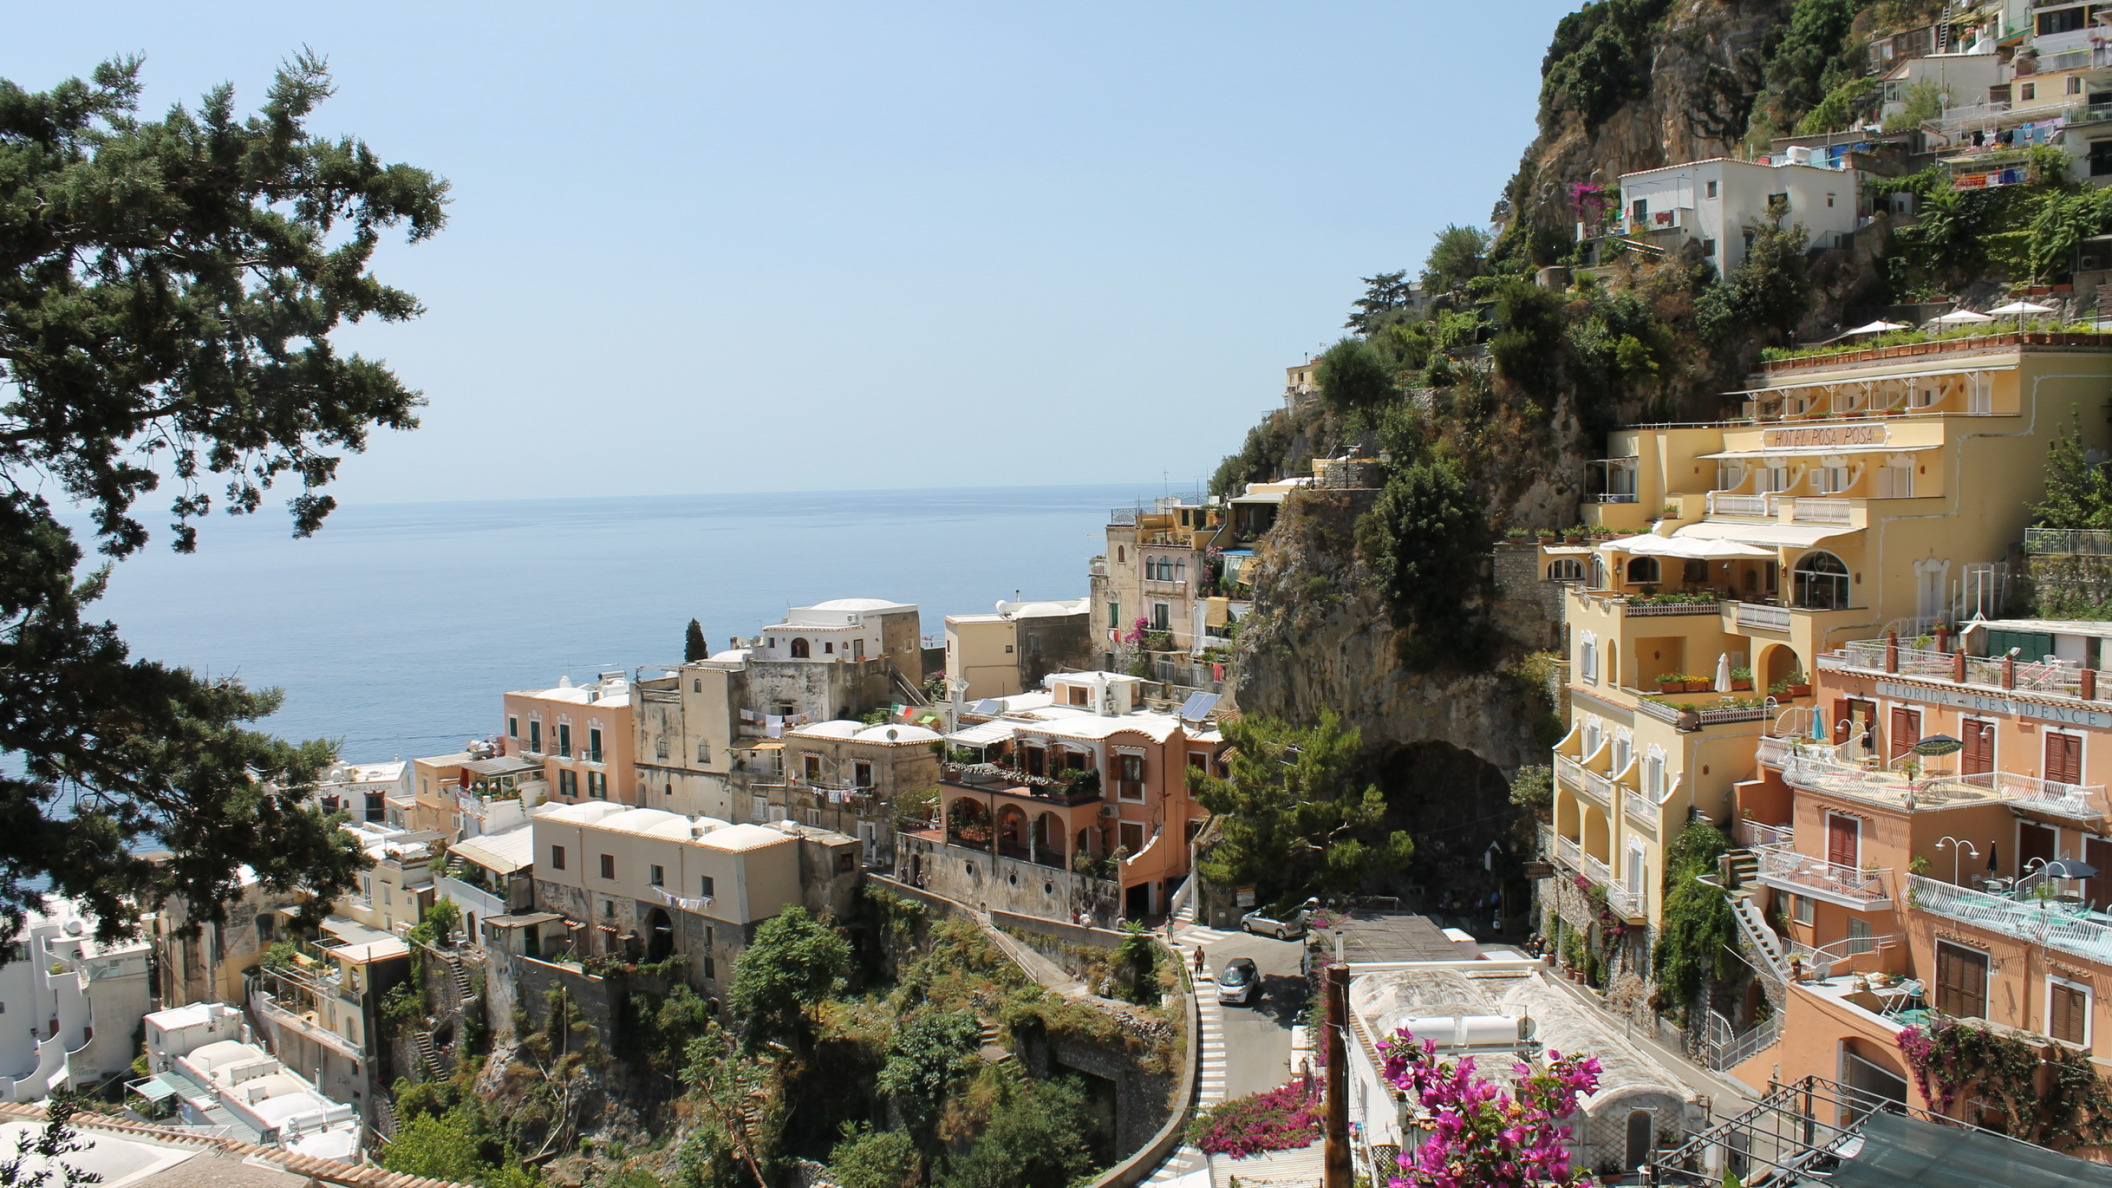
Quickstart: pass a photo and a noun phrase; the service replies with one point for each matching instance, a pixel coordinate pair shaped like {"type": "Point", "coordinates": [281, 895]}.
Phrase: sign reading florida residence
{"type": "Point", "coordinates": [1983, 703]}
{"type": "Point", "coordinates": [1825, 436]}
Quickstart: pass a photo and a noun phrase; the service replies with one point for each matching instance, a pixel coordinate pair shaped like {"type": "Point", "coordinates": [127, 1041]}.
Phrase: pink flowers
{"type": "Point", "coordinates": [1278, 1120]}
{"type": "Point", "coordinates": [1478, 1134]}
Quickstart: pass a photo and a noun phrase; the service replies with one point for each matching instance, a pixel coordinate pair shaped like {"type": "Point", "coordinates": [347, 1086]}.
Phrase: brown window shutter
{"type": "Point", "coordinates": [2066, 1020]}
{"type": "Point", "coordinates": [1906, 730]}
{"type": "Point", "coordinates": [1979, 748]}
{"type": "Point", "coordinates": [2064, 758]}
{"type": "Point", "coordinates": [1841, 838]}
{"type": "Point", "coordinates": [1840, 721]}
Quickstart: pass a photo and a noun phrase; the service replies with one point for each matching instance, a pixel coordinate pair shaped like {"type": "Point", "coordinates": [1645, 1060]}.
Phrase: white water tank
{"type": "Point", "coordinates": [1473, 1031]}
{"type": "Point", "coordinates": [1799, 155]}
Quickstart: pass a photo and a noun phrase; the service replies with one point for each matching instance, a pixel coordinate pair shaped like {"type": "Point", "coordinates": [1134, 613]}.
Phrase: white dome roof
{"type": "Point", "coordinates": [730, 655]}
{"type": "Point", "coordinates": [895, 734]}
{"type": "Point", "coordinates": [855, 604]}
{"type": "Point", "coordinates": [840, 728]}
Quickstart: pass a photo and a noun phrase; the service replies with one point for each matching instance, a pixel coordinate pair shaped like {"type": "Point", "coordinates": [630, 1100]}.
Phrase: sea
{"type": "Point", "coordinates": [396, 629]}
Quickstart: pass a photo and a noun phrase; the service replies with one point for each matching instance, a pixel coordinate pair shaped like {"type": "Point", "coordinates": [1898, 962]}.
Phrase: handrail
{"type": "Point", "coordinates": [1816, 874]}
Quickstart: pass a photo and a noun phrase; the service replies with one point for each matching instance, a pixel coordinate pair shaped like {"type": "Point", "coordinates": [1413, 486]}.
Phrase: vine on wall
{"type": "Point", "coordinates": [2041, 1092]}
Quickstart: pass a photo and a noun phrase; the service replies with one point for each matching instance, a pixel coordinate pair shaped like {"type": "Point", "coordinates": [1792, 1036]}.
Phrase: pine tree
{"type": "Point", "coordinates": [2078, 491]}
{"type": "Point", "coordinates": [693, 648]}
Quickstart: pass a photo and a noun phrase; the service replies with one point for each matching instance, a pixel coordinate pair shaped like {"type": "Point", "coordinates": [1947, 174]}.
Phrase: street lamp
{"type": "Point", "coordinates": [1957, 846]}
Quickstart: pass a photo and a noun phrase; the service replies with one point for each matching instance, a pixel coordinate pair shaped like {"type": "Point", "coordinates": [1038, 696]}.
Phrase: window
{"type": "Point", "coordinates": [657, 875]}
{"type": "Point", "coordinates": [1821, 582]}
{"type": "Point", "coordinates": [1034, 645]}
{"type": "Point", "coordinates": [1708, 247]}
{"type": "Point", "coordinates": [1859, 936]}
{"type": "Point", "coordinates": [1711, 190]}
{"type": "Point", "coordinates": [1800, 908]}
{"type": "Point", "coordinates": [1694, 573]}
{"type": "Point", "coordinates": [1643, 569]}
{"type": "Point", "coordinates": [659, 746]}
{"type": "Point", "coordinates": [2064, 757]}
{"type": "Point", "coordinates": [2031, 90]}
{"type": "Point", "coordinates": [568, 784]}
{"type": "Point", "coordinates": [608, 908]}
{"type": "Point", "coordinates": [1565, 569]}
{"type": "Point", "coordinates": [1829, 200]}
{"type": "Point", "coordinates": [1639, 211]}
{"type": "Point", "coordinates": [564, 740]}
{"type": "Point", "coordinates": [696, 685]}
{"type": "Point", "coordinates": [608, 866]}
{"type": "Point", "coordinates": [2100, 158]}
{"type": "Point", "coordinates": [557, 857]}
{"type": "Point", "coordinates": [2068, 1011]}
{"type": "Point", "coordinates": [706, 888]}
{"type": "Point", "coordinates": [1161, 617]}
{"type": "Point", "coordinates": [1844, 840]}
{"type": "Point", "coordinates": [1623, 750]}
{"type": "Point", "coordinates": [811, 766]}
{"type": "Point", "coordinates": [1588, 665]}
{"type": "Point", "coordinates": [598, 785]}
{"type": "Point", "coordinates": [800, 649]}
{"type": "Point", "coordinates": [1961, 981]}
{"type": "Point", "coordinates": [594, 744]}
{"type": "Point", "coordinates": [1978, 758]}
{"type": "Point", "coordinates": [1654, 775]}
{"type": "Point", "coordinates": [1133, 836]}
{"type": "Point", "coordinates": [1114, 609]}
{"type": "Point", "coordinates": [1131, 786]}
{"type": "Point", "coordinates": [535, 736]}
{"type": "Point", "coordinates": [513, 727]}
{"type": "Point", "coordinates": [2067, 20]}
{"type": "Point", "coordinates": [703, 752]}
{"type": "Point", "coordinates": [1034, 759]}
{"type": "Point", "coordinates": [862, 774]}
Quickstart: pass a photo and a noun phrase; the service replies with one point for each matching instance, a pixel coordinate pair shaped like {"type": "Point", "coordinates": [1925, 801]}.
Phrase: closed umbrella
{"type": "Point", "coordinates": [1723, 672]}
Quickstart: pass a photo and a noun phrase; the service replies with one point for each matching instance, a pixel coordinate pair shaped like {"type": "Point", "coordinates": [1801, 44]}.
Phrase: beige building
{"type": "Point", "coordinates": [1857, 494]}
{"type": "Point", "coordinates": [395, 891]}
{"type": "Point", "coordinates": [1158, 580]}
{"type": "Point", "coordinates": [211, 964]}
{"type": "Point", "coordinates": [708, 728]}
{"type": "Point", "coordinates": [472, 793]}
{"type": "Point", "coordinates": [1012, 648]}
{"type": "Point", "coordinates": [847, 777]}
{"type": "Point", "coordinates": [320, 1011]}
{"type": "Point", "coordinates": [582, 734]}
{"type": "Point", "coordinates": [644, 884]}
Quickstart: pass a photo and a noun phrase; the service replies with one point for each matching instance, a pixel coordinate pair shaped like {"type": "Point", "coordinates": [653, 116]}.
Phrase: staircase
{"type": "Point", "coordinates": [383, 1119]}
{"type": "Point", "coordinates": [992, 1047]}
{"type": "Point", "coordinates": [428, 1055]}
{"type": "Point", "coordinates": [1743, 867]}
{"type": "Point", "coordinates": [1759, 937]}
{"type": "Point", "coordinates": [457, 976]}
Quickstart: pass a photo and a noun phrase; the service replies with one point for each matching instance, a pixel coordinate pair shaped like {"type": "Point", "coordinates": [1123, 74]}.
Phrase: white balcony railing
{"type": "Point", "coordinates": [1723, 503]}
{"type": "Point", "coordinates": [1569, 772]}
{"type": "Point", "coordinates": [1774, 752]}
{"type": "Point", "coordinates": [1755, 835]}
{"type": "Point", "coordinates": [1597, 871]}
{"type": "Point", "coordinates": [2081, 801]}
{"type": "Point", "coordinates": [1567, 849]}
{"type": "Point", "coordinates": [1821, 511]}
{"type": "Point", "coordinates": [1598, 788]}
{"type": "Point", "coordinates": [1865, 888]}
{"type": "Point", "coordinates": [1625, 903]}
{"type": "Point", "coordinates": [2037, 921]}
{"type": "Point", "coordinates": [1641, 809]}
{"type": "Point", "coordinates": [1761, 617]}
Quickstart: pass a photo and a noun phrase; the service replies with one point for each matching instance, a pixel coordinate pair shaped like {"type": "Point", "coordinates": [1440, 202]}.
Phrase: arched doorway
{"type": "Point", "coordinates": [799, 648]}
{"type": "Point", "coordinates": [1597, 843]}
{"type": "Point", "coordinates": [1777, 664]}
{"type": "Point", "coordinates": [659, 937]}
{"type": "Point", "coordinates": [967, 823]}
{"type": "Point", "coordinates": [1638, 1139]}
{"type": "Point", "coordinates": [1048, 838]}
{"type": "Point", "coordinates": [1820, 581]}
{"type": "Point", "coordinates": [1012, 831]}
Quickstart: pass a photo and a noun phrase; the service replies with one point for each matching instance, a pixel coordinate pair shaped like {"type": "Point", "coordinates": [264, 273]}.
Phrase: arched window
{"type": "Point", "coordinates": [1643, 569]}
{"type": "Point", "coordinates": [1820, 582]}
{"type": "Point", "coordinates": [799, 648]}
{"type": "Point", "coordinates": [1121, 553]}
{"type": "Point", "coordinates": [1565, 569]}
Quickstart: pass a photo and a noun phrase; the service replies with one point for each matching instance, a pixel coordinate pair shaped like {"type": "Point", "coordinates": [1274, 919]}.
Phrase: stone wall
{"type": "Point", "coordinates": [1528, 607]}
{"type": "Point", "coordinates": [1626, 977]}
{"type": "Point", "coordinates": [1141, 1099]}
{"type": "Point", "coordinates": [996, 884]}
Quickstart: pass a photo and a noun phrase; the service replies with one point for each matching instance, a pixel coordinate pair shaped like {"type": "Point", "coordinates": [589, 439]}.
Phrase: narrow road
{"type": "Point", "coordinates": [1258, 1037]}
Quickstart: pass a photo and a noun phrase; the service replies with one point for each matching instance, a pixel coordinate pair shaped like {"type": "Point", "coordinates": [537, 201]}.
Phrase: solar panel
{"type": "Point", "coordinates": [988, 706]}
{"type": "Point", "coordinates": [1198, 706]}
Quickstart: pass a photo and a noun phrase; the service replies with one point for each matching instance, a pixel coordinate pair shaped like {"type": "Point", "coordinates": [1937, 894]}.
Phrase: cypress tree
{"type": "Point", "coordinates": [693, 648]}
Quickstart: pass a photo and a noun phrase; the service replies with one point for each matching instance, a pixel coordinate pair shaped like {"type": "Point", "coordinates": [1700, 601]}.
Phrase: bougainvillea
{"type": "Point", "coordinates": [1478, 1134]}
{"type": "Point", "coordinates": [1278, 1120]}
{"type": "Point", "coordinates": [2031, 1089]}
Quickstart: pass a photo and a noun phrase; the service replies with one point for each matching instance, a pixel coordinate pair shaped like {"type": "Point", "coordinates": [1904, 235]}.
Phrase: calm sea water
{"type": "Point", "coordinates": [398, 626]}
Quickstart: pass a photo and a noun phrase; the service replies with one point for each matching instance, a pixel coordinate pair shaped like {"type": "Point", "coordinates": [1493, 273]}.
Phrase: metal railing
{"type": "Point", "coordinates": [2039, 921]}
{"type": "Point", "coordinates": [1761, 617]}
{"type": "Point", "coordinates": [2081, 542]}
{"type": "Point", "coordinates": [1736, 1050]}
{"type": "Point", "coordinates": [1568, 850]}
{"type": "Point", "coordinates": [1569, 771]}
{"type": "Point", "coordinates": [1597, 788]}
{"type": "Point", "coordinates": [1625, 901]}
{"type": "Point", "coordinates": [1756, 835]}
{"type": "Point", "coordinates": [1633, 609]}
{"type": "Point", "coordinates": [1822, 960]}
{"type": "Point", "coordinates": [2082, 801]}
{"type": "Point", "coordinates": [1802, 872]}
{"type": "Point", "coordinates": [1774, 752]}
{"type": "Point", "coordinates": [1597, 871]}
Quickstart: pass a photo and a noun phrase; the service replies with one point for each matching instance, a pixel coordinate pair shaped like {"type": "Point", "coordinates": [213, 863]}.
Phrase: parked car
{"type": "Point", "coordinates": [1281, 925]}
{"type": "Point", "coordinates": [1239, 983]}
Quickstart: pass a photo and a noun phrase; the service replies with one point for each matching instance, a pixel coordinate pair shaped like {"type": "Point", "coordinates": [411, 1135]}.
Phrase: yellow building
{"type": "Point", "coordinates": [1857, 493]}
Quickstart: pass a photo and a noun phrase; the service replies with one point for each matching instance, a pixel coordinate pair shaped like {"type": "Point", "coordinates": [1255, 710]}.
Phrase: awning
{"type": "Point", "coordinates": [1690, 548]}
{"type": "Point", "coordinates": [1767, 536]}
{"type": "Point", "coordinates": [1820, 451]}
{"type": "Point", "coordinates": [1901, 1150]}
{"type": "Point", "coordinates": [982, 734]}
{"type": "Point", "coordinates": [1910, 373]}
{"type": "Point", "coordinates": [154, 1089]}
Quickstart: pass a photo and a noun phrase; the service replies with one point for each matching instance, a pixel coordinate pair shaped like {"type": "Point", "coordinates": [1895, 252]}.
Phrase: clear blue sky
{"type": "Point", "coordinates": [701, 248]}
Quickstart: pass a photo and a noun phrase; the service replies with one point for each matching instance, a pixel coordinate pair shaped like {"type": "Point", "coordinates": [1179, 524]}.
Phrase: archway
{"type": "Point", "coordinates": [1820, 581]}
{"type": "Point", "coordinates": [799, 648]}
{"type": "Point", "coordinates": [1596, 843]}
{"type": "Point", "coordinates": [1012, 830]}
{"type": "Point", "coordinates": [1777, 664]}
{"type": "Point", "coordinates": [967, 822]}
{"type": "Point", "coordinates": [1639, 1137]}
{"type": "Point", "coordinates": [659, 937]}
{"type": "Point", "coordinates": [1566, 822]}
{"type": "Point", "coordinates": [1048, 838]}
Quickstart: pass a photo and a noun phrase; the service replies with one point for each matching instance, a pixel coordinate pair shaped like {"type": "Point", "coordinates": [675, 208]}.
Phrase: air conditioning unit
{"type": "Point", "coordinates": [1110, 810]}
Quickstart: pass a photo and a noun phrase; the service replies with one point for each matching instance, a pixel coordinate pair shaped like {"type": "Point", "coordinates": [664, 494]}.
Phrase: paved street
{"type": "Point", "coordinates": [1258, 1037]}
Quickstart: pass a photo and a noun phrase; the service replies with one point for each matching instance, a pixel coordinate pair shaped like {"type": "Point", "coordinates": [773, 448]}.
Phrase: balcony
{"type": "Point", "coordinates": [1849, 886]}
{"type": "Point", "coordinates": [2059, 926]}
{"type": "Point", "coordinates": [1569, 772]}
{"type": "Point", "coordinates": [1754, 835]}
{"type": "Point", "coordinates": [1757, 507]}
{"type": "Point", "coordinates": [1158, 586]}
{"type": "Point", "coordinates": [1808, 510]}
{"type": "Point", "coordinates": [1756, 616]}
{"type": "Point", "coordinates": [1627, 904]}
{"type": "Point", "coordinates": [2057, 678]}
{"type": "Point", "coordinates": [1569, 852]}
{"type": "Point", "coordinates": [1642, 810]}
{"type": "Point", "coordinates": [308, 1026]}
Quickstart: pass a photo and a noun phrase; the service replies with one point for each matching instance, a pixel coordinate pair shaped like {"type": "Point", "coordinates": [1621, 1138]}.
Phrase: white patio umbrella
{"type": "Point", "coordinates": [1723, 672]}
{"type": "Point", "coordinates": [2020, 308]}
{"type": "Point", "coordinates": [1961, 317]}
{"type": "Point", "coordinates": [1878, 327]}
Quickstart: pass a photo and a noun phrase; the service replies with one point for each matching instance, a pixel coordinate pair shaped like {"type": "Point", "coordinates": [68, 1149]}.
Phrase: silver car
{"type": "Point", "coordinates": [1240, 982]}
{"type": "Point", "coordinates": [1288, 927]}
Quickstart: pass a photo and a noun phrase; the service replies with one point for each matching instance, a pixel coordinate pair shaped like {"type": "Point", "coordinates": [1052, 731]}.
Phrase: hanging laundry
{"type": "Point", "coordinates": [774, 726]}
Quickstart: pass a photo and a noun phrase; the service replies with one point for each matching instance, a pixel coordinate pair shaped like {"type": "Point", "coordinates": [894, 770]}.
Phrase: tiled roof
{"type": "Point", "coordinates": [324, 1171]}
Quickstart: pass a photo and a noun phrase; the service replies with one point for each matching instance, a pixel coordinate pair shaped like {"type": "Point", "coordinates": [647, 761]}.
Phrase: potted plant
{"type": "Point", "coordinates": [1669, 511]}
{"type": "Point", "coordinates": [1514, 535]}
{"type": "Point", "coordinates": [1672, 682]}
{"type": "Point", "coordinates": [1575, 534]}
{"type": "Point", "coordinates": [1549, 536]}
{"type": "Point", "coordinates": [1799, 684]}
{"type": "Point", "coordinates": [1741, 678]}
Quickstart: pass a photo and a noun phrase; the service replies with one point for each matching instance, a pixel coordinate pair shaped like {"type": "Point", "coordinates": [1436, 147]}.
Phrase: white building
{"type": "Point", "coordinates": [840, 630]}
{"type": "Point", "coordinates": [206, 1071]}
{"type": "Point", "coordinates": [1718, 201]}
{"type": "Point", "coordinates": [68, 1004]}
{"type": "Point", "coordinates": [366, 791]}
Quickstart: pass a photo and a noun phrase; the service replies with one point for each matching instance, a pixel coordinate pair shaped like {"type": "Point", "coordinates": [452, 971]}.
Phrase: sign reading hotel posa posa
{"type": "Point", "coordinates": [1825, 436]}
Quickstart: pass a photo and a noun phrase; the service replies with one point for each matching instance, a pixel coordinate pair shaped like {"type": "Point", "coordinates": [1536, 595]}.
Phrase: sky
{"type": "Point", "coordinates": [700, 248]}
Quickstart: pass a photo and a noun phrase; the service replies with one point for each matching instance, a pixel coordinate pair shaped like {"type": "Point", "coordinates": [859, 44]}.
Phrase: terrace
{"type": "Point", "coordinates": [2063, 926]}
{"type": "Point", "coordinates": [1858, 888]}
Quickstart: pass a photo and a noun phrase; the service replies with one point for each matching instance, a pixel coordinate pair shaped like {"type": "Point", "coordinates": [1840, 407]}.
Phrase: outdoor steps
{"type": "Point", "coordinates": [1756, 931]}
{"type": "Point", "coordinates": [464, 990]}
{"type": "Point", "coordinates": [428, 1056]}
{"type": "Point", "coordinates": [991, 1047]}
{"type": "Point", "coordinates": [383, 1121]}
{"type": "Point", "coordinates": [1745, 867]}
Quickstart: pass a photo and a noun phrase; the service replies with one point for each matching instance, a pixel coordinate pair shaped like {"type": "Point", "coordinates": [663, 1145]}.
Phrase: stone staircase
{"type": "Point", "coordinates": [382, 1120]}
{"type": "Point", "coordinates": [1760, 940]}
{"type": "Point", "coordinates": [428, 1054]}
{"type": "Point", "coordinates": [465, 991]}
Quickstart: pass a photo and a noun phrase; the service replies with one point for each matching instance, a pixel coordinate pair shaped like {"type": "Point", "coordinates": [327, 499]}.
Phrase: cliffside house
{"type": "Point", "coordinates": [582, 735]}
{"type": "Point", "coordinates": [1719, 200]}
{"type": "Point", "coordinates": [205, 1075]}
{"type": "Point", "coordinates": [68, 1004]}
{"type": "Point", "coordinates": [1012, 648]}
